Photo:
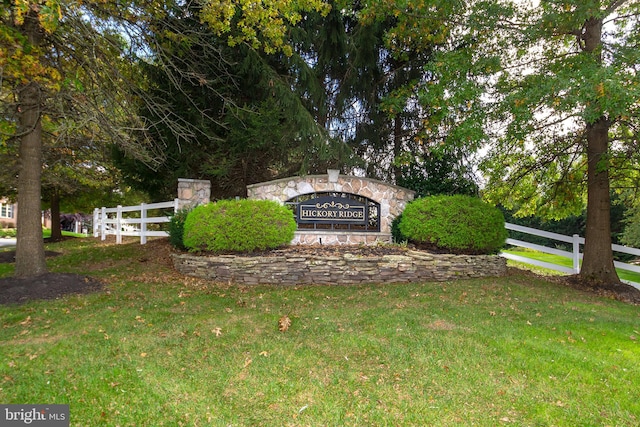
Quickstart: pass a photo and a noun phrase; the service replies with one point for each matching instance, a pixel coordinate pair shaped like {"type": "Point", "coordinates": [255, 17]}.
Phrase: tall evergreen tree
{"type": "Point", "coordinates": [241, 121]}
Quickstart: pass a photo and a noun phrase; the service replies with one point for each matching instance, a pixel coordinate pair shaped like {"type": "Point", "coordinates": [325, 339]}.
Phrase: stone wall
{"type": "Point", "coordinates": [293, 269]}
{"type": "Point", "coordinates": [392, 200]}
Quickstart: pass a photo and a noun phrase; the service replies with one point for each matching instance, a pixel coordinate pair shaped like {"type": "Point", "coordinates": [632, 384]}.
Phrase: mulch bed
{"type": "Point", "coordinates": [55, 285]}
{"type": "Point", "coordinates": [15, 290]}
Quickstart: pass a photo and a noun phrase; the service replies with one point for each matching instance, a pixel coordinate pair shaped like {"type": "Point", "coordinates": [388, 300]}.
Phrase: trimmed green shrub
{"type": "Point", "coordinates": [176, 227]}
{"type": "Point", "coordinates": [239, 226]}
{"type": "Point", "coordinates": [456, 224]}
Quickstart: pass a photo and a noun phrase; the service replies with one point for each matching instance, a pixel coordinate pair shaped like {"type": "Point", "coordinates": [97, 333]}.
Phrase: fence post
{"type": "Point", "coordinates": [143, 224]}
{"type": "Point", "coordinates": [103, 224]}
{"type": "Point", "coordinates": [576, 254]}
{"type": "Point", "coordinates": [95, 222]}
{"type": "Point", "coordinates": [119, 225]}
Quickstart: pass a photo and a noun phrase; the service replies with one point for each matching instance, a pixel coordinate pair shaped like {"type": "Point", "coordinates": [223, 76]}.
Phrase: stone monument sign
{"type": "Point", "coordinates": [335, 209]}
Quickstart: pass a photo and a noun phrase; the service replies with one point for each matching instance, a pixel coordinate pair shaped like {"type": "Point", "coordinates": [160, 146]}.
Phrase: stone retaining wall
{"type": "Point", "coordinates": [293, 269]}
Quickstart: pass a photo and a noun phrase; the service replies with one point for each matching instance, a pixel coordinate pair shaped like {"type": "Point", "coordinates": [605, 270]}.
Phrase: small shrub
{"type": "Point", "coordinates": [456, 224]}
{"type": "Point", "coordinates": [396, 234]}
{"type": "Point", "coordinates": [239, 226]}
{"type": "Point", "coordinates": [8, 233]}
{"type": "Point", "coordinates": [176, 227]}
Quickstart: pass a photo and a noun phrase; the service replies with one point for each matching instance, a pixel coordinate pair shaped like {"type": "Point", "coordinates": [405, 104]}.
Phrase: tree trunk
{"type": "Point", "coordinates": [30, 258]}
{"type": "Point", "coordinates": [397, 148]}
{"type": "Point", "coordinates": [56, 229]}
{"type": "Point", "coordinates": [597, 264]}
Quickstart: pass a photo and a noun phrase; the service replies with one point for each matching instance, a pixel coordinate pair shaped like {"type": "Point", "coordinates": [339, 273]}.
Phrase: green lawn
{"type": "Point", "coordinates": [47, 233]}
{"type": "Point", "coordinates": [567, 262]}
{"type": "Point", "coordinates": [158, 349]}
{"type": "Point", "coordinates": [11, 233]}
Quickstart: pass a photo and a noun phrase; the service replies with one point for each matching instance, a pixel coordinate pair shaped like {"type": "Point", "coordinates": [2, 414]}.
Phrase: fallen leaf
{"type": "Point", "coordinates": [143, 354]}
{"type": "Point", "coordinates": [26, 321]}
{"type": "Point", "coordinates": [264, 353]}
{"type": "Point", "coordinates": [217, 331]}
{"type": "Point", "coordinates": [283, 323]}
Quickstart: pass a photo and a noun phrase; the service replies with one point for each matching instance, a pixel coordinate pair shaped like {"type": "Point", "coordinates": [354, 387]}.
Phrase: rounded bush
{"type": "Point", "coordinates": [456, 224]}
{"type": "Point", "coordinates": [239, 226]}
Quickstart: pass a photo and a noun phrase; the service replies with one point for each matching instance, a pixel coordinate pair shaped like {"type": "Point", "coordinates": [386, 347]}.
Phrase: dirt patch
{"type": "Point", "coordinates": [619, 291]}
{"type": "Point", "coordinates": [46, 286]}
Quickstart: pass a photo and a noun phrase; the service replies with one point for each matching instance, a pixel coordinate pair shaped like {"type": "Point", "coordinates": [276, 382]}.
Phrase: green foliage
{"type": "Point", "coordinates": [442, 173]}
{"type": "Point", "coordinates": [7, 232]}
{"type": "Point", "coordinates": [238, 226]}
{"type": "Point", "coordinates": [631, 234]}
{"type": "Point", "coordinates": [222, 131]}
{"type": "Point", "coordinates": [176, 227]}
{"type": "Point", "coordinates": [459, 224]}
{"type": "Point", "coordinates": [396, 234]}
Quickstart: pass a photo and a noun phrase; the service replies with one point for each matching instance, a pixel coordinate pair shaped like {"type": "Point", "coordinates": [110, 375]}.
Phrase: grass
{"type": "Point", "coordinates": [46, 233]}
{"type": "Point", "coordinates": [158, 349]}
{"type": "Point", "coordinates": [567, 262]}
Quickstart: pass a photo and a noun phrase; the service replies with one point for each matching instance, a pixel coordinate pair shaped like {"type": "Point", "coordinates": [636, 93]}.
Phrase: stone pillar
{"type": "Point", "coordinates": [193, 192]}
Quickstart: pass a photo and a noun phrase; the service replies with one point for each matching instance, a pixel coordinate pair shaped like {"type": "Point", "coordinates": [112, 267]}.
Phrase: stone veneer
{"type": "Point", "coordinates": [346, 269]}
{"type": "Point", "coordinates": [392, 200]}
{"type": "Point", "coordinates": [192, 192]}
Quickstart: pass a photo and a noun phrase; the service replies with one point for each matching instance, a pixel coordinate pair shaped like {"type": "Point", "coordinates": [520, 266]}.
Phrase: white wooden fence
{"type": "Point", "coordinates": [115, 221]}
{"type": "Point", "coordinates": [575, 255]}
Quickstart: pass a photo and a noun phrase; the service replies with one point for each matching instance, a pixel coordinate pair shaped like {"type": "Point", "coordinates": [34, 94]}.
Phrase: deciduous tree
{"type": "Point", "coordinates": [551, 89]}
{"type": "Point", "coordinates": [568, 98]}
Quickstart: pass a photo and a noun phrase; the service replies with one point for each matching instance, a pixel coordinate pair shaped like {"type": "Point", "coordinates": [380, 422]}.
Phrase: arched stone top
{"type": "Point", "coordinates": [392, 198]}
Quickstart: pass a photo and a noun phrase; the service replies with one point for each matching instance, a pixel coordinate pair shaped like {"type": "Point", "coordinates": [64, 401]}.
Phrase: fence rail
{"type": "Point", "coordinates": [575, 255]}
{"type": "Point", "coordinates": [115, 221]}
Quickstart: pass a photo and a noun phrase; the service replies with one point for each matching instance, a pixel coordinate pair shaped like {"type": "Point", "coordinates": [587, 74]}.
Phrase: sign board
{"type": "Point", "coordinates": [332, 210]}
